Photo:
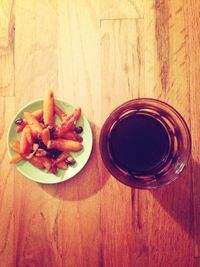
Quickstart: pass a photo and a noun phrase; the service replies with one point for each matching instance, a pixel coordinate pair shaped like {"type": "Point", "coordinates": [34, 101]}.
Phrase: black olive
{"type": "Point", "coordinates": [52, 132]}
{"type": "Point", "coordinates": [53, 153]}
{"type": "Point", "coordinates": [78, 129]}
{"type": "Point", "coordinates": [18, 121]}
{"type": "Point", "coordinates": [41, 144]}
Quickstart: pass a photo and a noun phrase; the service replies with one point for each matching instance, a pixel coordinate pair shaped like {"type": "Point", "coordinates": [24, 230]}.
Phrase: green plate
{"type": "Point", "coordinates": [81, 157]}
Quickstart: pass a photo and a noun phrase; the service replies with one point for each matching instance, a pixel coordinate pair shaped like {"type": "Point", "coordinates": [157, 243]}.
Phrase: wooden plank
{"type": "Point", "coordinates": [79, 83]}
{"type": "Point", "coordinates": [7, 39]}
{"type": "Point", "coordinates": [35, 49]}
{"type": "Point", "coordinates": [193, 46]}
{"type": "Point", "coordinates": [79, 56]}
{"type": "Point", "coordinates": [166, 78]}
{"type": "Point", "coordinates": [123, 216]}
{"type": "Point", "coordinates": [6, 186]}
{"type": "Point", "coordinates": [197, 262]}
{"type": "Point", "coordinates": [35, 226]}
{"type": "Point", "coordinates": [121, 9]}
{"type": "Point", "coordinates": [121, 67]}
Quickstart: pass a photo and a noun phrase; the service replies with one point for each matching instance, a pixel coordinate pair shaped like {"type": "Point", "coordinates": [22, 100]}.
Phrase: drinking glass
{"type": "Point", "coordinates": [179, 143]}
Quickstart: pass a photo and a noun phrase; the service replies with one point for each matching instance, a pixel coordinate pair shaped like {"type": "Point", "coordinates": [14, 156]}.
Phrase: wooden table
{"type": "Point", "coordinates": [98, 54]}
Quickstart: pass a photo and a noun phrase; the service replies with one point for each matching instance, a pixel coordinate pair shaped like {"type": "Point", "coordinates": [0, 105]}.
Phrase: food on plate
{"type": "Point", "coordinates": [48, 108]}
{"type": "Point", "coordinates": [70, 160]}
{"type": "Point", "coordinates": [33, 123]}
{"type": "Point", "coordinates": [45, 135]}
{"type": "Point", "coordinates": [38, 114]}
{"type": "Point", "coordinates": [36, 162]}
{"type": "Point", "coordinates": [61, 114]}
{"type": "Point", "coordinates": [47, 163]}
{"type": "Point", "coordinates": [62, 165]}
{"type": "Point", "coordinates": [15, 145]}
{"type": "Point", "coordinates": [42, 142]}
{"type": "Point", "coordinates": [68, 123]}
{"type": "Point", "coordinates": [62, 157]}
{"type": "Point", "coordinates": [16, 158]}
{"type": "Point", "coordinates": [21, 123]}
{"type": "Point", "coordinates": [65, 145]}
{"type": "Point", "coordinates": [78, 129]}
{"type": "Point", "coordinates": [72, 135]}
{"type": "Point", "coordinates": [26, 141]}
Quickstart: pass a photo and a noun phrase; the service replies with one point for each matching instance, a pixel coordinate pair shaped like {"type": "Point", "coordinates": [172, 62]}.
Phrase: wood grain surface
{"type": "Point", "coordinates": [98, 54]}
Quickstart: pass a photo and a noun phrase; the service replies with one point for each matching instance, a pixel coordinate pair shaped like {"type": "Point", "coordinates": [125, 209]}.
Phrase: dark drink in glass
{"type": "Point", "coordinates": [145, 143]}
{"type": "Point", "coordinates": [139, 143]}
